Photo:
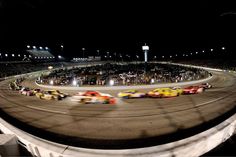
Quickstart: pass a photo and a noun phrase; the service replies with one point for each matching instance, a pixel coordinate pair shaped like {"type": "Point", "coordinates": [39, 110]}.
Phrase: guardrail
{"type": "Point", "coordinates": [193, 146]}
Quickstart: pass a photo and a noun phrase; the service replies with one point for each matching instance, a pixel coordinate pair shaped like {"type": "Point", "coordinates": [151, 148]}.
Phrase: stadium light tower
{"type": "Point", "coordinates": [145, 50]}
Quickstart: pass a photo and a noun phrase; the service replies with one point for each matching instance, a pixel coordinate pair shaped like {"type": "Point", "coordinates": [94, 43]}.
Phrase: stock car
{"type": "Point", "coordinates": [51, 95]}
{"type": "Point", "coordinates": [15, 86]}
{"type": "Point", "coordinates": [26, 91]}
{"type": "Point", "coordinates": [193, 90]}
{"type": "Point", "coordinates": [18, 87]}
{"type": "Point", "coordinates": [206, 85]}
{"type": "Point", "coordinates": [131, 94]}
{"type": "Point", "coordinates": [163, 93]}
{"type": "Point", "coordinates": [59, 93]}
{"type": "Point", "coordinates": [93, 97]}
{"type": "Point", "coordinates": [178, 89]}
{"type": "Point", "coordinates": [12, 85]}
{"type": "Point", "coordinates": [36, 90]}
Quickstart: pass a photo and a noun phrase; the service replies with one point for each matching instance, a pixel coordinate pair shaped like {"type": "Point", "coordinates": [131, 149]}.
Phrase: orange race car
{"type": "Point", "coordinates": [93, 97]}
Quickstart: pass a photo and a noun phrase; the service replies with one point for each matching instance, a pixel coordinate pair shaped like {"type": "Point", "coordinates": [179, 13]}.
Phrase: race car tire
{"type": "Point", "coordinates": [82, 101]}
{"type": "Point", "coordinates": [106, 102]}
{"type": "Point", "coordinates": [127, 97]}
{"type": "Point", "coordinates": [58, 98]}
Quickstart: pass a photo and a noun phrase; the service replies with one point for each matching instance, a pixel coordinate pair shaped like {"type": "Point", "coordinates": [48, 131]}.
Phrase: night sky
{"type": "Point", "coordinates": [117, 26]}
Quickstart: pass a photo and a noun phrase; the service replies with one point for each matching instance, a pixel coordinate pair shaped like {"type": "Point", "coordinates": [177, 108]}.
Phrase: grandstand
{"type": "Point", "coordinates": [40, 54]}
{"type": "Point", "coordinates": [31, 54]}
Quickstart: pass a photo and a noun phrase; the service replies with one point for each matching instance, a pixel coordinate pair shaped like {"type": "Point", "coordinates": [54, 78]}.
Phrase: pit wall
{"type": "Point", "coordinates": [190, 147]}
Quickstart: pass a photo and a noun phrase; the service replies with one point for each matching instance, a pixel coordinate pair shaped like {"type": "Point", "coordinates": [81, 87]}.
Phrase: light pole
{"type": "Point", "coordinates": [83, 49]}
{"type": "Point", "coordinates": [108, 55]}
{"type": "Point", "coordinates": [137, 58]}
{"type": "Point", "coordinates": [62, 52]}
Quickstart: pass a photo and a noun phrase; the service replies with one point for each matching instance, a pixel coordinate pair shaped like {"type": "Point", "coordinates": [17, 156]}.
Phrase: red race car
{"type": "Point", "coordinates": [193, 90]}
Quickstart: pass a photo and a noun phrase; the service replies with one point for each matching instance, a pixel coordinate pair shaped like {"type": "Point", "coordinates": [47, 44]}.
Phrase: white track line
{"type": "Point", "coordinates": [51, 111]}
{"type": "Point", "coordinates": [211, 101]}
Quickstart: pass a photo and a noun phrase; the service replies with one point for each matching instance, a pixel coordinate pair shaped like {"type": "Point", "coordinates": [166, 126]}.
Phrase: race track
{"type": "Point", "coordinates": [108, 126]}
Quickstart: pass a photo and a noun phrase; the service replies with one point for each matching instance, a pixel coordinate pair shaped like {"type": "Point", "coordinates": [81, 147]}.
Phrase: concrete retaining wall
{"type": "Point", "coordinates": [189, 147]}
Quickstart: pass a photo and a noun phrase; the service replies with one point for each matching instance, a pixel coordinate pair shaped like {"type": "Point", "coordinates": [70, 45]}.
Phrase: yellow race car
{"type": "Point", "coordinates": [51, 95]}
{"type": "Point", "coordinates": [163, 93]}
{"type": "Point", "coordinates": [131, 94]}
{"type": "Point", "coordinates": [59, 93]}
{"type": "Point", "coordinates": [178, 89]}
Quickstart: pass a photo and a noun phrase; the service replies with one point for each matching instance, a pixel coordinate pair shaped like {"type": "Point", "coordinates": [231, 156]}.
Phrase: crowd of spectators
{"type": "Point", "coordinates": [122, 74]}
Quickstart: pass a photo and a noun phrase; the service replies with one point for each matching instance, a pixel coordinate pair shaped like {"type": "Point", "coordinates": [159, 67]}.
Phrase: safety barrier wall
{"type": "Point", "coordinates": [193, 146]}
{"type": "Point", "coordinates": [189, 147]}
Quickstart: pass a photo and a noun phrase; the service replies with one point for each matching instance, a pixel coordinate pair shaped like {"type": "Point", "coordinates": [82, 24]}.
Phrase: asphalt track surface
{"type": "Point", "coordinates": [130, 123]}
